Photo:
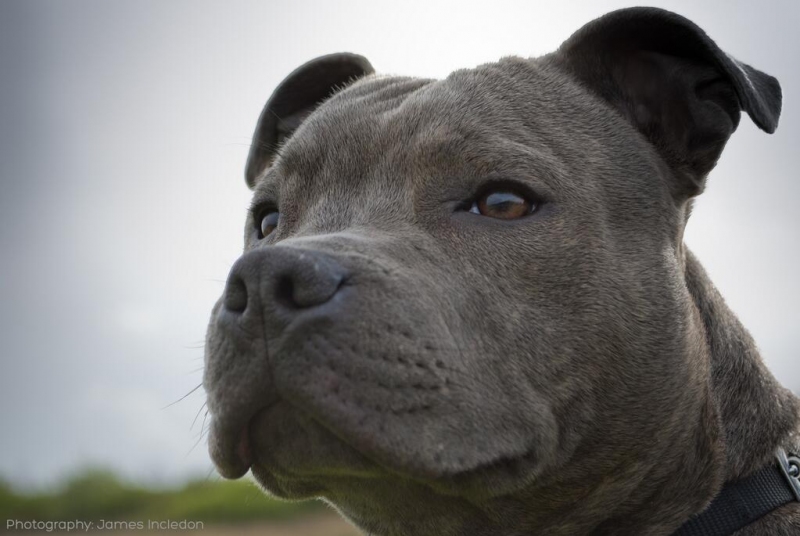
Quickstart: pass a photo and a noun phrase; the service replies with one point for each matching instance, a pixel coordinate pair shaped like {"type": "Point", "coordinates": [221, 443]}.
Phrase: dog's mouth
{"type": "Point", "coordinates": [282, 445]}
{"type": "Point", "coordinates": [295, 454]}
{"type": "Point", "coordinates": [395, 401]}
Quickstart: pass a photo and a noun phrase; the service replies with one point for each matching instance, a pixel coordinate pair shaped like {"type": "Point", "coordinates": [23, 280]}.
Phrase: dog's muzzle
{"type": "Point", "coordinates": [267, 290]}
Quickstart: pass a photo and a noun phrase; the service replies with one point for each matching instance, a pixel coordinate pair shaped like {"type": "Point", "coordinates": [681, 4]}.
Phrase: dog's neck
{"type": "Point", "coordinates": [756, 412]}
{"type": "Point", "coordinates": [746, 415]}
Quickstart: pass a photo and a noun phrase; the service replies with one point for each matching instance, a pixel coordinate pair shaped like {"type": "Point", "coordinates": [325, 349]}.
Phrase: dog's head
{"type": "Point", "coordinates": [459, 291]}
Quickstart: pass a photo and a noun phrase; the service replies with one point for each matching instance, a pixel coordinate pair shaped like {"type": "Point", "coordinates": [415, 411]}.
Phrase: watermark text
{"type": "Point", "coordinates": [77, 525]}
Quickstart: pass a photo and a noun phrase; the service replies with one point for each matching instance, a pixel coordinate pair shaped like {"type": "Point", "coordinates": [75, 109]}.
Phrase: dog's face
{"type": "Point", "coordinates": [459, 290]}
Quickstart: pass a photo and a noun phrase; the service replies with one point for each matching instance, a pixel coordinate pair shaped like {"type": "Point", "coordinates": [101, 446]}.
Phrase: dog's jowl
{"type": "Point", "coordinates": [465, 307]}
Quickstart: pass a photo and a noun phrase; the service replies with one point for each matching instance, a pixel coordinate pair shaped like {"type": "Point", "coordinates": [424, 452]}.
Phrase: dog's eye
{"type": "Point", "coordinates": [268, 223]}
{"type": "Point", "coordinates": [502, 204]}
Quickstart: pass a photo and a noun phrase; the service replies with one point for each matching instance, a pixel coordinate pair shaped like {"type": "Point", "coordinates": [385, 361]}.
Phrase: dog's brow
{"type": "Point", "coordinates": [434, 142]}
{"type": "Point", "coordinates": [267, 185]}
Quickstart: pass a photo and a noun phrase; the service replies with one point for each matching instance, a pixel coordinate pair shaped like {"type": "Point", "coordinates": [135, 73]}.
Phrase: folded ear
{"type": "Point", "coordinates": [672, 82]}
{"type": "Point", "coordinates": [294, 100]}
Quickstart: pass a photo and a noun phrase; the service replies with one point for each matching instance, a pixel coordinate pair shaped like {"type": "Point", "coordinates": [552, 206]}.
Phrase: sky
{"type": "Point", "coordinates": [124, 130]}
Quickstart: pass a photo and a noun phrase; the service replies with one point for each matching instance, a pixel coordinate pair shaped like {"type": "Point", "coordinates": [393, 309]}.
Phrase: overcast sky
{"type": "Point", "coordinates": [124, 129]}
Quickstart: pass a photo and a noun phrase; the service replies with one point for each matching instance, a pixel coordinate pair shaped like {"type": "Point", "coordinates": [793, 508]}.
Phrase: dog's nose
{"type": "Point", "coordinates": [287, 277]}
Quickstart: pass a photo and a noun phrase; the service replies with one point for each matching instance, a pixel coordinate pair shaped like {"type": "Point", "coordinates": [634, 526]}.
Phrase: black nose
{"type": "Point", "coordinates": [290, 277]}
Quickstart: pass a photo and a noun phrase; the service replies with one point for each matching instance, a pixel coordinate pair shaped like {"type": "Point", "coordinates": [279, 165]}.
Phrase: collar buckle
{"type": "Point", "coordinates": [790, 467]}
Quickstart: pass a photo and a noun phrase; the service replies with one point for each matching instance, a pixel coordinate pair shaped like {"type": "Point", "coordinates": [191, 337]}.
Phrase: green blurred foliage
{"type": "Point", "coordinates": [95, 494]}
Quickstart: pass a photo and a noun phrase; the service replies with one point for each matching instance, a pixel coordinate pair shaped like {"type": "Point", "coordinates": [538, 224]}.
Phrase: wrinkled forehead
{"type": "Point", "coordinates": [385, 125]}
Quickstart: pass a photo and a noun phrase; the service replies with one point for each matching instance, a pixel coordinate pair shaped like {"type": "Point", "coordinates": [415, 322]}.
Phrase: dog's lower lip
{"type": "Point", "coordinates": [229, 455]}
{"type": "Point", "coordinates": [243, 450]}
{"type": "Point", "coordinates": [231, 450]}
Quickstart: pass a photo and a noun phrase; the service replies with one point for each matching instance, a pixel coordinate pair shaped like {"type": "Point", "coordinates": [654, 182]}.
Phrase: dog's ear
{"type": "Point", "coordinates": [671, 81]}
{"type": "Point", "coordinates": [294, 99]}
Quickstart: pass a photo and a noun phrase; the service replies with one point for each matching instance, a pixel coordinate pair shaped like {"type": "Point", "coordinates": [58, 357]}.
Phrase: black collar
{"type": "Point", "coordinates": [744, 501]}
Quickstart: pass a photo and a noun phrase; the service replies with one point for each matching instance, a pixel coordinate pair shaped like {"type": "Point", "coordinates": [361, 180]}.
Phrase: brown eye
{"type": "Point", "coordinates": [502, 204]}
{"type": "Point", "coordinates": [268, 223]}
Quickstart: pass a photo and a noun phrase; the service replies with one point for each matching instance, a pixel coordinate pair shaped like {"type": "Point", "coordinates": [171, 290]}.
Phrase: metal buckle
{"type": "Point", "coordinates": [790, 467]}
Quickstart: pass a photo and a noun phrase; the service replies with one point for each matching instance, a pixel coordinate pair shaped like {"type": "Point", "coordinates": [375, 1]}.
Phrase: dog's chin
{"type": "Point", "coordinates": [295, 457]}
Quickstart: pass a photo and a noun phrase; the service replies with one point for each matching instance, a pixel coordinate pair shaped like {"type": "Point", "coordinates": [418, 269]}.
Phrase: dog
{"type": "Point", "coordinates": [465, 306]}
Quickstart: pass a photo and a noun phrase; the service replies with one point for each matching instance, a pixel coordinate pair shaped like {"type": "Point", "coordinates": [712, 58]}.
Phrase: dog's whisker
{"type": "Point", "coordinates": [203, 425]}
{"type": "Point", "coordinates": [183, 397]}
{"type": "Point", "coordinates": [211, 472]}
{"type": "Point", "coordinates": [199, 440]}
{"type": "Point", "coordinates": [198, 415]}
{"type": "Point", "coordinates": [237, 144]}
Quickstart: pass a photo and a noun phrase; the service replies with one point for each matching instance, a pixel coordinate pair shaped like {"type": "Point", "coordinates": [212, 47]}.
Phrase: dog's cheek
{"type": "Point", "coordinates": [518, 311]}
{"type": "Point", "coordinates": [579, 323]}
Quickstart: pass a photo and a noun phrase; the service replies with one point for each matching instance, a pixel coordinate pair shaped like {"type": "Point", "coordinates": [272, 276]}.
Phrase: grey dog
{"type": "Point", "coordinates": [465, 306]}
